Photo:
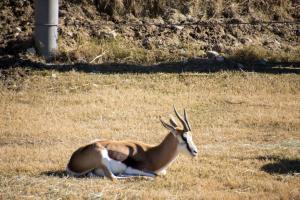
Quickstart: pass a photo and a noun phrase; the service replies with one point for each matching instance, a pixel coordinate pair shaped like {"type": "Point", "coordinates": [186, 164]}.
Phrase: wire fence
{"type": "Point", "coordinates": [209, 23]}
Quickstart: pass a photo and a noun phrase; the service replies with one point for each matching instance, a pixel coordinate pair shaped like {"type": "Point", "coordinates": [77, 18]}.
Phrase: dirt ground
{"type": "Point", "coordinates": [81, 20]}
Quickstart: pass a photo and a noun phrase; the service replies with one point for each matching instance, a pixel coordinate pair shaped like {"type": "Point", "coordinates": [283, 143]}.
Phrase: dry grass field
{"type": "Point", "coordinates": [246, 127]}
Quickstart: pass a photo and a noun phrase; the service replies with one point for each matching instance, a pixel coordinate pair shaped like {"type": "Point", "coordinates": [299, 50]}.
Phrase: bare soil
{"type": "Point", "coordinates": [160, 29]}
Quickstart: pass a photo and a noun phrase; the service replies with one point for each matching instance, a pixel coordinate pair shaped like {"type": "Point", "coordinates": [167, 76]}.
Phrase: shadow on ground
{"type": "Point", "coordinates": [282, 166]}
{"type": "Point", "coordinates": [57, 173]}
{"type": "Point", "coordinates": [190, 65]}
{"type": "Point", "coordinates": [63, 174]}
{"type": "Point", "coordinates": [15, 46]}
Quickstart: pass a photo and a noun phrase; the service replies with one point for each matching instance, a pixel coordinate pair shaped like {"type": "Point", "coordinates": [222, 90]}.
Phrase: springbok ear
{"type": "Point", "coordinates": [173, 121]}
{"type": "Point", "coordinates": [167, 126]}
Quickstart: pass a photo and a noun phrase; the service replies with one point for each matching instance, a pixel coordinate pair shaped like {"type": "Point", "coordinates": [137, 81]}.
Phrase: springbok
{"type": "Point", "coordinates": [108, 158]}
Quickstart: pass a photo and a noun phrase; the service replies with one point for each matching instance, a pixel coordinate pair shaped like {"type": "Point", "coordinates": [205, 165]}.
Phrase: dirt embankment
{"type": "Point", "coordinates": [155, 25]}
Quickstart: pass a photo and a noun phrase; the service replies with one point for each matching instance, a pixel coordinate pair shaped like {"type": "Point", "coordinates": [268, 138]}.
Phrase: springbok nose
{"type": "Point", "coordinates": [194, 152]}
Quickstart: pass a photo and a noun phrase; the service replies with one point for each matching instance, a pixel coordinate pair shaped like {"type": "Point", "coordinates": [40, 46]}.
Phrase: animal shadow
{"type": "Point", "coordinates": [63, 174]}
{"type": "Point", "coordinates": [282, 166]}
{"type": "Point", "coordinates": [57, 173]}
{"type": "Point", "coordinates": [60, 174]}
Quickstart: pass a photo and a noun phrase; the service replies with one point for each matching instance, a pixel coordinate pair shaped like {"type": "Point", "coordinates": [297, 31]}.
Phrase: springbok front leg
{"type": "Point", "coordinates": [135, 172]}
{"type": "Point", "coordinates": [128, 173]}
{"type": "Point", "coordinates": [162, 172]}
{"type": "Point", "coordinates": [109, 167]}
{"type": "Point", "coordinates": [100, 173]}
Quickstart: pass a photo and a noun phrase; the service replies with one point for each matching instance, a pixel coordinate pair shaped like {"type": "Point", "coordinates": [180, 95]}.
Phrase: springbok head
{"type": "Point", "coordinates": [182, 133]}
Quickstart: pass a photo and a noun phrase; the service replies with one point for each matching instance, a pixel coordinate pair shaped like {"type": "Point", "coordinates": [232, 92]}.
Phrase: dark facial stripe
{"type": "Point", "coordinates": [187, 145]}
{"type": "Point", "coordinates": [184, 139]}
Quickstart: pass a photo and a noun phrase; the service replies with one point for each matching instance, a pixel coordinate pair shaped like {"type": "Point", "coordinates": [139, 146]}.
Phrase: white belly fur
{"type": "Point", "coordinates": [116, 167]}
{"type": "Point", "coordinates": [119, 168]}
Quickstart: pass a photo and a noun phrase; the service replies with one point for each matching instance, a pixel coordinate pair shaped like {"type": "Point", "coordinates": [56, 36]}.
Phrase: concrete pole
{"type": "Point", "coordinates": [46, 23]}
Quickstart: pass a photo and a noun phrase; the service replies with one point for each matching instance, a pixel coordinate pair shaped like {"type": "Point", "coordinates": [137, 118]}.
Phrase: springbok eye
{"type": "Point", "coordinates": [184, 138]}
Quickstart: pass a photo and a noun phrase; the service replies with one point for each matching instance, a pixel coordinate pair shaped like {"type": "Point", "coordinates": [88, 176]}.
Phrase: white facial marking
{"type": "Point", "coordinates": [186, 144]}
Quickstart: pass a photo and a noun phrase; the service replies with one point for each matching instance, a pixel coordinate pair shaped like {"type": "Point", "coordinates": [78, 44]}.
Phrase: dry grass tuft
{"type": "Point", "coordinates": [251, 54]}
{"type": "Point", "coordinates": [246, 126]}
{"type": "Point", "coordinates": [205, 9]}
{"type": "Point", "coordinates": [120, 50]}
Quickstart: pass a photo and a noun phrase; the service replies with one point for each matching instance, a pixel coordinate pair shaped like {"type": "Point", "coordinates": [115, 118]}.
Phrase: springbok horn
{"type": "Point", "coordinates": [187, 120]}
{"type": "Point", "coordinates": [185, 126]}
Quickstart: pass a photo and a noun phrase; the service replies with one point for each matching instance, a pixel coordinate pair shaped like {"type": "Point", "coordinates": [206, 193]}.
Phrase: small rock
{"type": "Point", "coordinates": [107, 34]}
{"type": "Point", "coordinates": [182, 51]}
{"type": "Point", "coordinates": [212, 54]}
{"type": "Point", "coordinates": [277, 43]}
{"type": "Point", "coordinates": [176, 27]}
{"type": "Point", "coordinates": [159, 41]}
{"type": "Point", "coordinates": [215, 55]}
{"type": "Point", "coordinates": [189, 18]}
{"type": "Point", "coordinates": [70, 34]}
{"type": "Point", "coordinates": [113, 33]}
{"type": "Point", "coordinates": [19, 29]}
